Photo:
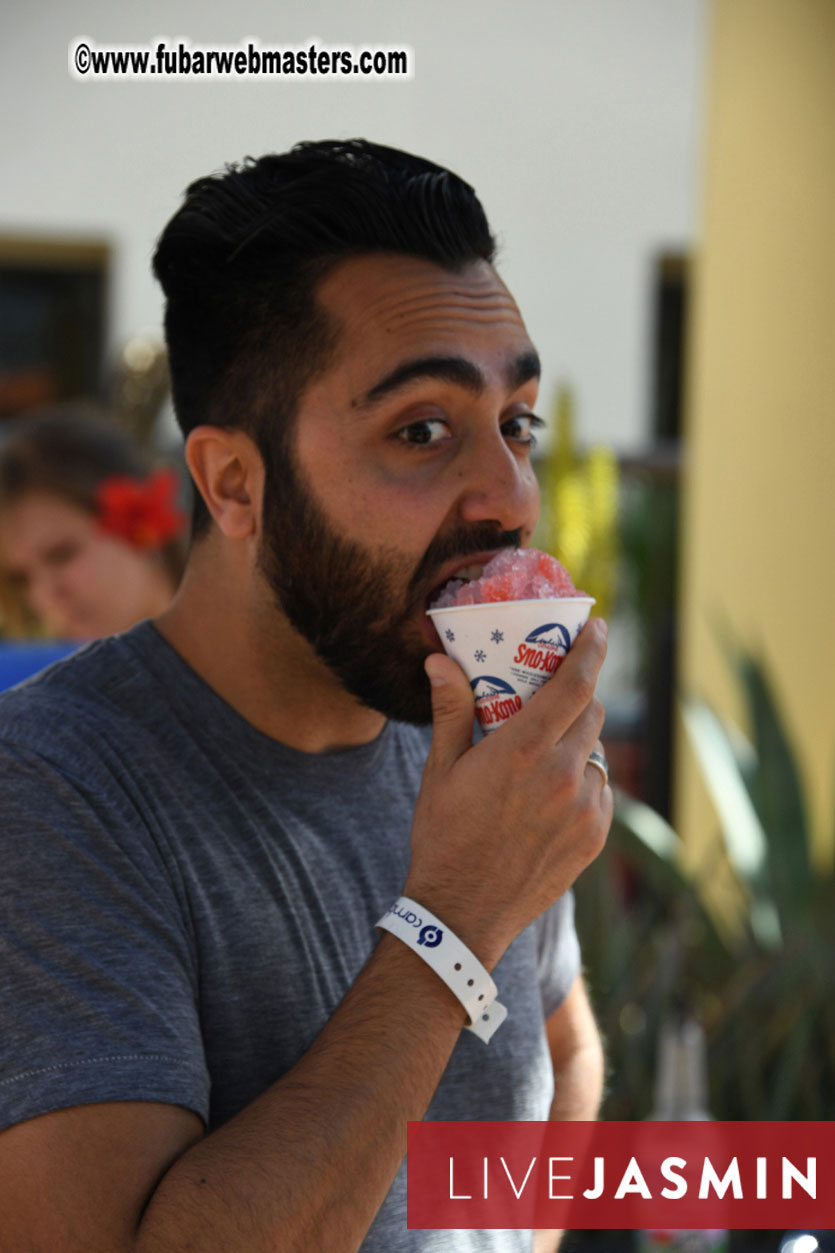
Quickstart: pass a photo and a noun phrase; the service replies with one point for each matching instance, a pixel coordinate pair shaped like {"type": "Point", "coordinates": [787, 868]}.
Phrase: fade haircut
{"type": "Point", "coordinates": [241, 261]}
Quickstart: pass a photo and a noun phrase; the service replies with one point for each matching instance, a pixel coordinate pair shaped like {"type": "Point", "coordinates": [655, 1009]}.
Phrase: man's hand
{"type": "Point", "coordinates": [502, 828]}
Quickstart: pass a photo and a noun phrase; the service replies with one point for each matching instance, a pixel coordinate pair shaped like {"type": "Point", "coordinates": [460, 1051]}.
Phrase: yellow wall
{"type": "Point", "coordinates": [759, 509]}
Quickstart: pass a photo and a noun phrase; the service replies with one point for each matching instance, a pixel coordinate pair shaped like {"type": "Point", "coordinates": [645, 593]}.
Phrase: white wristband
{"type": "Point", "coordinates": [459, 968]}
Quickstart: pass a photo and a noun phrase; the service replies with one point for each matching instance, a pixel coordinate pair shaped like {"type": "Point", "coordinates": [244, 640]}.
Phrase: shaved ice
{"type": "Point", "coordinates": [513, 574]}
{"type": "Point", "coordinates": [509, 629]}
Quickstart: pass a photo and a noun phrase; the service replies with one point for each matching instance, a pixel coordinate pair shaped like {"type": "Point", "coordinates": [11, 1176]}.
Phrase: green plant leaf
{"type": "Point", "coordinates": [648, 826]}
{"type": "Point", "coordinates": [742, 830]}
{"type": "Point", "coordinates": [768, 1005]}
{"type": "Point", "coordinates": [777, 794]}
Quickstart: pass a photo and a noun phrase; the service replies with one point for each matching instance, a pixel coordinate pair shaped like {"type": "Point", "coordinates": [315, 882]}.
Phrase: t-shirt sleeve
{"type": "Point", "coordinates": [558, 952]}
{"type": "Point", "coordinates": [98, 978]}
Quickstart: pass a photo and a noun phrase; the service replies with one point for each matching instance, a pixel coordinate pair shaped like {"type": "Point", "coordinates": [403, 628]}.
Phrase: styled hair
{"type": "Point", "coordinates": [241, 260]}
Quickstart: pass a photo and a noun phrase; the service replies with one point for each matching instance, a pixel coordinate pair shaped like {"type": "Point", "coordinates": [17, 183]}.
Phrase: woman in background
{"type": "Point", "coordinates": [91, 537]}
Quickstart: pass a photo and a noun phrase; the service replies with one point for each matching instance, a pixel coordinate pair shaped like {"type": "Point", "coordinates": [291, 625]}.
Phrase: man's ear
{"type": "Point", "coordinates": [229, 474]}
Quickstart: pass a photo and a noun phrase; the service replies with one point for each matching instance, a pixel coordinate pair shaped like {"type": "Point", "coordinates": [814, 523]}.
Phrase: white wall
{"type": "Point", "coordinates": [576, 120]}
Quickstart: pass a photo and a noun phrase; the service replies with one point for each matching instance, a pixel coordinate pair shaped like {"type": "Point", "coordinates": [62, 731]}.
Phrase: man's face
{"type": "Point", "coordinates": [410, 462]}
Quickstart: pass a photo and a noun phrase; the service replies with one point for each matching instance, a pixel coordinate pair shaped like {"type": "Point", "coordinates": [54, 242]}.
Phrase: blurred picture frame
{"type": "Point", "coordinates": [53, 318]}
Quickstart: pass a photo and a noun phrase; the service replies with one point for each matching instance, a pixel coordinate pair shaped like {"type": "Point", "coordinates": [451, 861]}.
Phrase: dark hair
{"type": "Point", "coordinates": [67, 452]}
{"type": "Point", "coordinates": [241, 260]}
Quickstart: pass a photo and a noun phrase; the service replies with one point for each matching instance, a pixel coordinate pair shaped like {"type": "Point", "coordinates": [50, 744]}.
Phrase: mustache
{"type": "Point", "coordinates": [462, 542]}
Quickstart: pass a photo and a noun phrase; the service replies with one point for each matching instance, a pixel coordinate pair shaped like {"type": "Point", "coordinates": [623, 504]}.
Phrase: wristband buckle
{"type": "Point", "coordinates": [451, 960]}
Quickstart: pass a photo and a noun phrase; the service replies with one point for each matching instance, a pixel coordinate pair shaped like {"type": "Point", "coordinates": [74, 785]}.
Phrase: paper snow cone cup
{"type": "Point", "coordinates": [509, 648]}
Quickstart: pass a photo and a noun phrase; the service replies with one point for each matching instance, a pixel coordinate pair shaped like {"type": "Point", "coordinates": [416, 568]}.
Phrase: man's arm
{"type": "Point", "coordinates": [309, 1162]}
{"type": "Point", "coordinates": [305, 1166]}
{"type": "Point", "coordinates": [577, 1057]}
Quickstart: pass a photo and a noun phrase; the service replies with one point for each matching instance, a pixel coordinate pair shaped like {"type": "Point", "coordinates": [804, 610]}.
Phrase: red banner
{"type": "Point", "coordinates": [621, 1175]}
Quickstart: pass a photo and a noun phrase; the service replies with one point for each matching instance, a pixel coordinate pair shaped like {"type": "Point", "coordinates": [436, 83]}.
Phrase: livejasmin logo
{"type": "Point", "coordinates": [633, 1181]}
{"type": "Point", "coordinates": [639, 1175]}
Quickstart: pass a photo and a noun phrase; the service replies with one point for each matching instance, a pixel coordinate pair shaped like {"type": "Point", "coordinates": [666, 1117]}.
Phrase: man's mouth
{"type": "Point", "coordinates": [464, 571]}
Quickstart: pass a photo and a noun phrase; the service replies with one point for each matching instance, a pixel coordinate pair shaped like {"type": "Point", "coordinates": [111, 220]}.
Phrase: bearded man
{"type": "Point", "coordinates": [207, 1041]}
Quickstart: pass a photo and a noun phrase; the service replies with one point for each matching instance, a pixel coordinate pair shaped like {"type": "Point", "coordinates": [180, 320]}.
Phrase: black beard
{"type": "Point", "coordinates": [358, 608]}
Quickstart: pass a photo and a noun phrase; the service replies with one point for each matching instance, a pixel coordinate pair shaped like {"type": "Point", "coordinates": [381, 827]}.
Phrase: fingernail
{"type": "Point", "coordinates": [436, 677]}
{"type": "Point", "coordinates": [602, 627]}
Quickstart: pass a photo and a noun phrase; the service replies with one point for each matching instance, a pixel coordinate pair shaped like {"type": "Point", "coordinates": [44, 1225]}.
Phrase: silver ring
{"type": "Point", "coordinates": [600, 763]}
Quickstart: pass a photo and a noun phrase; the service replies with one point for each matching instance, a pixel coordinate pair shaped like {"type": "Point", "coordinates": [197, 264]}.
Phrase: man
{"type": "Point", "coordinates": [208, 1043]}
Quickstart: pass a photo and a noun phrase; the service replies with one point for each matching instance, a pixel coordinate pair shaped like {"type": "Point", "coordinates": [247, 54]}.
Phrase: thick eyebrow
{"type": "Point", "coordinates": [457, 370]}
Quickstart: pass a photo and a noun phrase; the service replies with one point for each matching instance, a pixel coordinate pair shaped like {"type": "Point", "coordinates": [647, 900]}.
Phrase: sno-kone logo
{"type": "Point", "coordinates": [542, 651]}
{"type": "Point", "coordinates": [429, 935]}
{"type": "Point", "coordinates": [495, 700]}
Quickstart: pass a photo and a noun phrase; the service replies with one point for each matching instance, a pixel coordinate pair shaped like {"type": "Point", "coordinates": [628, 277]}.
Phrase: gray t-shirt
{"type": "Point", "coordinates": [186, 901]}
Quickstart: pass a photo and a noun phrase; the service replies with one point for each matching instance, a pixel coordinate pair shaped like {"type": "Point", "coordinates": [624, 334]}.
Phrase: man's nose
{"type": "Point", "coordinates": [499, 486]}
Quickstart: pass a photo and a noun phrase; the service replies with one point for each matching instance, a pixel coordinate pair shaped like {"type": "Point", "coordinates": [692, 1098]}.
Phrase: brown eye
{"type": "Point", "coordinates": [424, 433]}
{"type": "Point", "coordinates": [521, 428]}
{"type": "Point", "coordinates": [62, 553]}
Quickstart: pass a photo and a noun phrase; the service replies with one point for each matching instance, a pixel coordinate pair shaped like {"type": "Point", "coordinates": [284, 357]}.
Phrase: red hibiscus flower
{"type": "Point", "coordinates": [142, 511]}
